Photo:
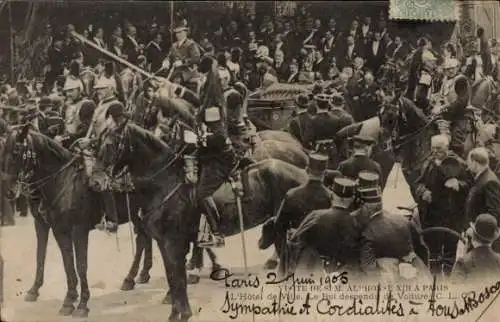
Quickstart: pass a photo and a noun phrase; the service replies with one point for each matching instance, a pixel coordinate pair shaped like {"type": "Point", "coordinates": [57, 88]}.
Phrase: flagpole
{"type": "Point", "coordinates": [11, 44]}
{"type": "Point", "coordinates": [171, 22]}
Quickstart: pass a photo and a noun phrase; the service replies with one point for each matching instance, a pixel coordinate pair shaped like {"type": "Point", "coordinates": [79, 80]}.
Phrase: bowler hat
{"type": "Point", "coordinates": [344, 187]}
{"type": "Point", "coordinates": [363, 139]}
{"type": "Point", "coordinates": [115, 110]}
{"type": "Point", "coordinates": [212, 114]}
{"type": "Point", "coordinates": [485, 228]}
{"type": "Point", "coordinates": [317, 163]}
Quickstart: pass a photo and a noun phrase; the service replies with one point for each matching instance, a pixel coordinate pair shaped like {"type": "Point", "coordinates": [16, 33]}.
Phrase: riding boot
{"type": "Point", "coordinates": [213, 217]}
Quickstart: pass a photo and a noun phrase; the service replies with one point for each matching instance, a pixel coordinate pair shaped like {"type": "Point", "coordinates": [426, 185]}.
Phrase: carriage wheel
{"type": "Point", "coordinates": [441, 260]}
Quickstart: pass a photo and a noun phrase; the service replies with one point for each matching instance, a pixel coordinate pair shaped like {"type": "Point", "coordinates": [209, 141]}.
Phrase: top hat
{"type": "Point", "coordinates": [363, 139]}
{"type": "Point", "coordinates": [115, 110]}
{"type": "Point", "coordinates": [301, 101]}
{"type": "Point", "coordinates": [344, 187]}
{"type": "Point", "coordinates": [317, 163]}
{"type": "Point", "coordinates": [181, 25]}
{"type": "Point", "coordinates": [212, 114]}
{"type": "Point", "coordinates": [485, 228]}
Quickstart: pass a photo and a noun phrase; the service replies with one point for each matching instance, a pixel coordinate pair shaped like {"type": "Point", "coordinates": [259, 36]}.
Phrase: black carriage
{"type": "Point", "coordinates": [272, 108]}
{"type": "Point", "coordinates": [439, 261]}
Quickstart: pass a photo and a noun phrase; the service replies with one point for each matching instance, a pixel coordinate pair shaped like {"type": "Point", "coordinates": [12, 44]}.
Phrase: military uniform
{"type": "Point", "coordinates": [300, 201]}
{"type": "Point", "coordinates": [351, 167]}
{"type": "Point", "coordinates": [187, 51]}
{"type": "Point", "coordinates": [389, 243]}
{"type": "Point", "coordinates": [332, 232]}
{"type": "Point", "coordinates": [301, 121]}
{"type": "Point", "coordinates": [217, 160]}
{"type": "Point", "coordinates": [324, 125]}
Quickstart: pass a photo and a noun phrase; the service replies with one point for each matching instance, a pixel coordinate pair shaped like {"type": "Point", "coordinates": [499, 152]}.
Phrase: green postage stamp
{"type": "Point", "coordinates": [436, 10]}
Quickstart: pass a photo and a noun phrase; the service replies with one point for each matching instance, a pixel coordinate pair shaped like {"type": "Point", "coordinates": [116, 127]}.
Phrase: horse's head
{"type": "Point", "coordinates": [402, 115]}
{"type": "Point", "coordinates": [28, 156]}
{"type": "Point", "coordinates": [115, 148]}
{"type": "Point", "coordinates": [389, 115]}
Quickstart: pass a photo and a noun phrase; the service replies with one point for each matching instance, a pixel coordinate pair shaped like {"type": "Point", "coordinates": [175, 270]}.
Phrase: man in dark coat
{"type": "Point", "coordinates": [442, 189]}
{"type": "Point", "coordinates": [375, 53]}
{"type": "Point", "coordinates": [482, 263]}
{"type": "Point", "coordinates": [484, 196]}
{"type": "Point", "coordinates": [324, 124]}
{"type": "Point", "coordinates": [330, 233]}
{"type": "Point", "coordinates": [360, 160]}
{"type": "Point", "coordinates": [154, 53]}
{"type": "Point", "coordinates": [299, 202]}
{"type": "Point", "coordinates": [301, 121]}
{"type": "Point", "coordinates": [392, 247]}
{"type": "Point", "coordinates": [130, 44]}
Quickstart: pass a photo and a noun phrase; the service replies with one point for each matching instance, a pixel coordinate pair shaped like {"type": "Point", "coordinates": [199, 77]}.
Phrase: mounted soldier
{"type": "Point", "coordinates": [145, 109]}
{"type": "Point", "coordinates": [447, 93]}
{"type": "Point", "coordinates": [77, 114]}
{"type": "Point", "coordinates": [457, 119]}
{"type": "Point", "coordinates": [421, 71]}
{"type": "Point", "coordinates": [184, 56]}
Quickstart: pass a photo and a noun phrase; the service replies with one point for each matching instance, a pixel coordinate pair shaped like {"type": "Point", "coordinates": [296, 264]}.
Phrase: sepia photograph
{"type": "Point", "coordinates": [249, 160]}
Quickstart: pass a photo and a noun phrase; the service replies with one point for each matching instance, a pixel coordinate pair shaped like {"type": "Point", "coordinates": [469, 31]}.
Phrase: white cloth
{"type": "Point", "coordinates": [375, 47]}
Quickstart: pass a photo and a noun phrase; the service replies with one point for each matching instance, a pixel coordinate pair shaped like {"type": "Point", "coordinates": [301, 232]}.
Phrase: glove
{"type": "Point", "coordinates": [178, 63]}
{"type": "Point", "coordinates": [452, 184]}
{"type": "Point", "coordinates": [427, 196]}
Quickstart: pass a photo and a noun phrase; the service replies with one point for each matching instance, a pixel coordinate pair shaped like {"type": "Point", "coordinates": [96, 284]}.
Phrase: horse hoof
{"type": "Point", "coordinates": [66, 310]}
{"type": "Point", "coordinates": [81, 313]}
{"type": "Point", "coordinates": [193, 279]}
{"type": "Point", "coordinates": [143, 279]}
{"type": "Point", "coordinates": [127, 285]}
{"type": "Point", "coordinates": [270, 264]}
{"type": "Point", "coordinates": [167, 299]}
{"type": "Point", "coordinates": [31, 297]}
{"type": "Point", "coordinates": [218, 273]}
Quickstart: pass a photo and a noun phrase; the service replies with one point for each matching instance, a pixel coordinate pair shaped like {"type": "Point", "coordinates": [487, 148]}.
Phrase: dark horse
{"type": "Point", "coordinates": [72, 210]}
{"type": "Point", "coordinates": [169, 206]}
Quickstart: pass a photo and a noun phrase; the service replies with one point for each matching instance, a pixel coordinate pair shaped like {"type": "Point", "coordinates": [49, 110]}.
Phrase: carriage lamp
{"type": "Point", "coordinates": [191, 168]}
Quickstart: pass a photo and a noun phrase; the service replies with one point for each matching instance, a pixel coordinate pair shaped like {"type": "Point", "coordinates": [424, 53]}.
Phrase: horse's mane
{"type": "Point", "coordinates": [416, 118]}
{"type": "Point", "coordinates": [45, 144]}
{"type": "Point", "coordinates": [158, 146]}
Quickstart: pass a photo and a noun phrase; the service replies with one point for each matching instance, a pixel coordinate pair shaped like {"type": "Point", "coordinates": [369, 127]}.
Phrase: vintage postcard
{"type": "Point", "coordinates": [249, 160]}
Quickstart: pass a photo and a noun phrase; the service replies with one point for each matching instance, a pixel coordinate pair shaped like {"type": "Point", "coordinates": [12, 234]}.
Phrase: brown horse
{"type": "Point", "coordinates": [169, 206]}
{"type": "Point", "coordinates": [43, 165]}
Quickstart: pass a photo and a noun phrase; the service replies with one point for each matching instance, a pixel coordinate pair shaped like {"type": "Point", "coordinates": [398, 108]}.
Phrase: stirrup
{"type": "Point", "coordinates": [215, 241]}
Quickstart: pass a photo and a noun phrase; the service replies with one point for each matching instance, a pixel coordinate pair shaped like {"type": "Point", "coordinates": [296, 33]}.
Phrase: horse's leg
{"type": "Point", "coordinates": [42, 236]}
{"type": "Point", "coordinates": [176, 249]}
{"type": "Point", "coordinates": [195, 264]}
{"type": "Point", "coordinates": [63, 239]}
{"type": "Point", "coordinates": [129, 283]}
{"type": "Point", "coordinates": [168, 297]}
{"type": "Point", "coordinates": [81, 242]}
{"type": "Point", "coordinates": [144, 276]}
{"type": "Point", "coordinates": [272, 262]}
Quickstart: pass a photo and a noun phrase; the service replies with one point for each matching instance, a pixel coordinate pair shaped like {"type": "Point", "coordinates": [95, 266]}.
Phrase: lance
{"type": "Point", "coordinates": [115, 57]}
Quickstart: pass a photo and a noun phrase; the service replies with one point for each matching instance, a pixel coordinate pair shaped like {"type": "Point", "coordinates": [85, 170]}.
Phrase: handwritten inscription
{"type": "Point", "coordinates": [468, 303]}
